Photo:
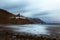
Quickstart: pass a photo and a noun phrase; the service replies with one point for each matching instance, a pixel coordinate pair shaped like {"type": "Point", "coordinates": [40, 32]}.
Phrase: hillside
{"type": "Point", "coordinates": [37, 20]}
{"type": "Point", "coordinates": [4, 13]}
{"type": "Point", "coordinates": [4, 16]}
{"type": "Point", "coordinates": [9, 18]}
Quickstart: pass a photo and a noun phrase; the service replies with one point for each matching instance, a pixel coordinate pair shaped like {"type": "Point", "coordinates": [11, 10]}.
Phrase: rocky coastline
{"type": "Point", "coordinates": [6, 34]}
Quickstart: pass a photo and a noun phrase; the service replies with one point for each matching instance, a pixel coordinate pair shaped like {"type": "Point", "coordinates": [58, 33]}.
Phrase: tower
{"type": "Point", "coordinates": [18, 15]}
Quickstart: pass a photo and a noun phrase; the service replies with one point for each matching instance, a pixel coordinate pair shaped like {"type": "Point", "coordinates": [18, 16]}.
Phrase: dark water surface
{"type": "Point", "coordinates": [36, 28]}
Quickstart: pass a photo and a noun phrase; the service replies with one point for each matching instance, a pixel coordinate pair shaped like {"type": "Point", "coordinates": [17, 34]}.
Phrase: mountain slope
{"type": "Point", "coordinates": [9, 18]}
{"type": "Point", "coordinates": [4, 13]}
{"type": "Point", "coordinates": [37, 20]}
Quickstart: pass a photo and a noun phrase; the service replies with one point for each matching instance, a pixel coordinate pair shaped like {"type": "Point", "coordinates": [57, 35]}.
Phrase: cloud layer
{"type": "Point", "coordinates": [47, 10]}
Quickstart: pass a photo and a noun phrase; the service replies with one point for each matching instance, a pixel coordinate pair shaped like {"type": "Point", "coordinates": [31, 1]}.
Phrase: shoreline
{"type": "Point", "coordinates": [10, 35]}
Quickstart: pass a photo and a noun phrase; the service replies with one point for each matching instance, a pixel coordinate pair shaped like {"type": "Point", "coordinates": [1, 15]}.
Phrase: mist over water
{"type": "Point", "coordinates": [35, 29]}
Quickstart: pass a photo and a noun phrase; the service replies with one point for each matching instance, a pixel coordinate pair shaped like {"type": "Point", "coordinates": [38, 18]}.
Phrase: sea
{"type": "Point", "coordinates": [35, 29]}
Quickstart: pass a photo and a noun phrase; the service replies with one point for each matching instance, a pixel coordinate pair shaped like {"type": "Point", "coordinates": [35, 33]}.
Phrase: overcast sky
{"type": "Point", "coordinates": [47, 10]}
